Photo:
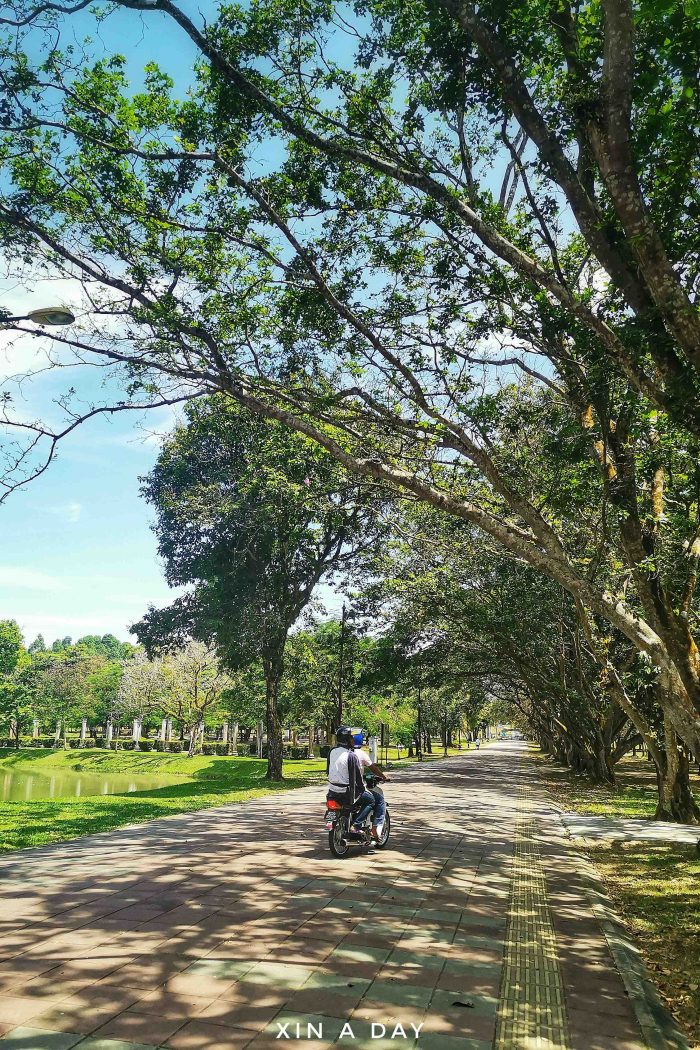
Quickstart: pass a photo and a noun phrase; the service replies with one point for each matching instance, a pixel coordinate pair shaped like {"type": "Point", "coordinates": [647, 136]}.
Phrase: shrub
{"type": "Point", "coordinates": [175, 746]}
{"type": "Point", "coordinates": [99, 741]}
{"type": "Point", "coordinates": [158, 745]}
{"type": "Point", "coordinates": [299, 752]}
{"type": "Point", "coordinates": [325, 750]}
{"type": "Point", "coordinates": [28, 741]}
{"type": "Point", "coordinates": [208, 749]}
{"type": "Point", "coordinates": [146, 745]}
{"type": "Point", "coordinates": [221, 749]}
{"type": "Point", "coordinates": [126, 745]}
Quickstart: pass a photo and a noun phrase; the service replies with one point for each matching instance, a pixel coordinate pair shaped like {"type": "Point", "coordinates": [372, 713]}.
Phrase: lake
{"type": "Point", "coordinates": [20, 786]}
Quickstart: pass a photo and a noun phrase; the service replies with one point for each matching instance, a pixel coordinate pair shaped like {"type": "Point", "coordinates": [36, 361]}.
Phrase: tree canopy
{"type": "Point", "coordinates": [455, 246]}
{"type": "Point", "coordinates": [252, 516]}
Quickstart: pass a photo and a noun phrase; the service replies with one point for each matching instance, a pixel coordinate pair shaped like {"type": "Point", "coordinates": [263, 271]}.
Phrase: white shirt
{"type": "Point", "coordinates": [338, 768]}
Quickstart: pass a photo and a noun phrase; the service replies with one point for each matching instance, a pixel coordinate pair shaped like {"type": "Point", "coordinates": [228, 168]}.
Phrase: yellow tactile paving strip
{"type": "Point", "coordinates": [531, 1014]}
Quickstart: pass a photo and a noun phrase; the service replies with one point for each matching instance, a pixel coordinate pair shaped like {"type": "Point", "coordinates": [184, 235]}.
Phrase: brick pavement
{"type": "Point", "coordinates": [210, 930]}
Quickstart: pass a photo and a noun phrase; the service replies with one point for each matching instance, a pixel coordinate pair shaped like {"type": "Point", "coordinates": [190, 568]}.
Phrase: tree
{"type": "Point", "coordinates": [143, 688]}
{"type": "Point", "coordinates": [254, 517]}
{"type": "Point", "coordinates": [16, 703]}
{"type": "Point", "coordinates": [366, 284]}
{"type": "Point", "coordinates": [37, 646]}
{"type": "Point", "coordinates": [68, 687]}
{"type": "Point", "coordinates": [10, 646]}
{"type": "Point", "coordinates": [107, 646]}
{"type": "Point", "coordinates": [244, 700]}
{"type": "Point", "coordinates": [14, 698]}
{"type": "Point", "coordinates": [197, 687]}
{"type": "Point", "coordinates": [467, 614]}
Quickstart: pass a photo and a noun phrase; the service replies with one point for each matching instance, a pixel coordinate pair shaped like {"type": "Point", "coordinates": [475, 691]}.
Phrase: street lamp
{"type": "Point", "coordinates": [55, 316]}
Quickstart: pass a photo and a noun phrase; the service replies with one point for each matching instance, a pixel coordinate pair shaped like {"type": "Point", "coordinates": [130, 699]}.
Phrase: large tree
{"type": "Point", "coordinates": [359, 261]}
{"type": "Point", "coordinates": [253, 517]}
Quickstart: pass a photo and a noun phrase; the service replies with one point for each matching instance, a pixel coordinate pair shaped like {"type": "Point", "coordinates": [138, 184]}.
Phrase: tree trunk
{"type": "Point", "coordinates": [275, 747]}
{"type": "Point", "coordinates": [194, 737]}
{"type": "Point", "coordinates": [597, 766]}
{"type": "Point", "coordinates": [676, 802]}
{"type": "Point", "coordinates": [310, 752]}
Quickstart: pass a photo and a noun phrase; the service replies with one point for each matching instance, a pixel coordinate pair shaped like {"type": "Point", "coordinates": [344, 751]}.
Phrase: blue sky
{"type": "Point", "coordinates": [77, 554]}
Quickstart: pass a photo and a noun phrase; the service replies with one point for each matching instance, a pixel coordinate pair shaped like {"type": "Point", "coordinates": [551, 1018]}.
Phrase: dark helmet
{"type": "Point", "coordinates": [344, 737]}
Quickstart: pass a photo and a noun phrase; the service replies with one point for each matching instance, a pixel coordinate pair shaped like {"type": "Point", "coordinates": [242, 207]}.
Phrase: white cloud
{"type": "Point", "coordinates": [29, 579]}
{"type": "Point", "coordinates": [60, 626]}
{"type": "Point", "coordinates": [68, 511]}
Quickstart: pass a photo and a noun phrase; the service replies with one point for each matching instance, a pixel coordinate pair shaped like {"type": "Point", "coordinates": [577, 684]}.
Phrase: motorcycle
{"type": "Point", "coordinates": [338, 821]}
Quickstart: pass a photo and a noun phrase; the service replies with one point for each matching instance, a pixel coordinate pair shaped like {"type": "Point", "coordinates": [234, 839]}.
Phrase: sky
{"type": "Point", "coordinates": [77, 553]}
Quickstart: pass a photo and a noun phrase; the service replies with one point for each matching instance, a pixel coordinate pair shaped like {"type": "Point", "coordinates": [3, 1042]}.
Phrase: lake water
{"type": "Point", "coordinates": [18, 786]}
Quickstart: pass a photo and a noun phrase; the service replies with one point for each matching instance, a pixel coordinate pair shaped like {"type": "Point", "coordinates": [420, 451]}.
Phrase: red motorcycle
{"type": "Point", "coordinates": [339, 820]}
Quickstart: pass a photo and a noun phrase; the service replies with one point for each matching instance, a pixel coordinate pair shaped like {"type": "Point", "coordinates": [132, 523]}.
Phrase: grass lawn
{"type": "Point", "coordinates": [655, 886]}
{"type": "Point", "coordinates": [192, 783]}
{"type": "Point", "coordinates": [635, 796]}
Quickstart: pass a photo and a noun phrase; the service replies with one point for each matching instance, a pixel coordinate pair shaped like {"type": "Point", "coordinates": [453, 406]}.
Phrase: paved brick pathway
{"type": "Point", "coordinates": [210, 930]}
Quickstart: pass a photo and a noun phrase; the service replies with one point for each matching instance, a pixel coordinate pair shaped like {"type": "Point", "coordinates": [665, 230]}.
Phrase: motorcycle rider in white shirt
{"type": "Point", "coordinates": [347, 763]}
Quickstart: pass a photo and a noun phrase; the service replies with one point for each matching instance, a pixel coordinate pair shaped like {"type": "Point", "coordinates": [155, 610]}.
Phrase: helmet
{"type": "Point", "coordinates": [358, 736]}
{"type": "Point", "coordinates": [344, 737]}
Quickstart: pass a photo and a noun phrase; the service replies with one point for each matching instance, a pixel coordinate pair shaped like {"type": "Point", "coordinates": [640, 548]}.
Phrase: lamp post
{"type": "Point", "coordinates": [54, 316]}
{"type": "Point", "coordinates": [341, 668]}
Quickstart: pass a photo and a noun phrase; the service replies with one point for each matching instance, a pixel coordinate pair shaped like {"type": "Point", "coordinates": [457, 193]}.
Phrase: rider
{"type": "Point", "coordinates": [346, 765]}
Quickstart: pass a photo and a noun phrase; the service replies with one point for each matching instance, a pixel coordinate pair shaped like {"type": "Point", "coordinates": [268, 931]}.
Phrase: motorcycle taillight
{"type": "Point", "coordinates": [332, 804]}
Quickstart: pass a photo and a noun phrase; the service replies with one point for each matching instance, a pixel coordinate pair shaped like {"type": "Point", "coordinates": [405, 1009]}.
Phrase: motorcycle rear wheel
{"type": "Point", "coordinates": [336, 840]}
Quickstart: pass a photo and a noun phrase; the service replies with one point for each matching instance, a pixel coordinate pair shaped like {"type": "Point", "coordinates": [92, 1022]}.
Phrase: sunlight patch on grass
{"type": "Point", "coordinates": [656, 886]}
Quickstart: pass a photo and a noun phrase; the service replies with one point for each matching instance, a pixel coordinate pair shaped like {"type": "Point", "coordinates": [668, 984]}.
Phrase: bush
{"type": "Point", "coordinates": [208, 749]}
{"type": "Point", "coordinates": [126, 745]}
{"type": "Point", "coordinates": [325, 750]}
{"type": "Point", "coordinates": [76, 744]}
{"type": "Point", "coordinates": [297, 753]}
{"type": "Point", "coordinates": [146, 745]}
{"type": "Point", "coordinates": [175, 746]}
{"type": "Point", "coordinates": [221, 749]}
{"type": "Point", "coordinates": [158, 745]}
{"type": "Point", "coordinates": [99, 741]}
{"type": "Point", "coordinates": [253, 750]}
{"type": "Point", "coordinates": [28, 741]}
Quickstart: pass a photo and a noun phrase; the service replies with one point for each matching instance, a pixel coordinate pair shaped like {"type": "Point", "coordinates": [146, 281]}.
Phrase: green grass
{"type": "Point", "coordinates": [151, 763]}
{"type": "Point", "coordinates": [635, 796]}
{"type": "Point", "coordinates": [656, 886]}
{"type": "Point", "coordinates": [195, 783]}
